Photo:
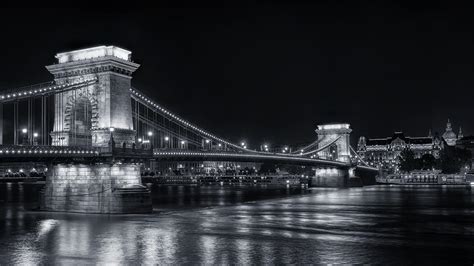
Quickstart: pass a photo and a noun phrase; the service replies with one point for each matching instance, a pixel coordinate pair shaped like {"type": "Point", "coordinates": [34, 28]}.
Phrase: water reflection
{"type": "Point", "coordinates": [221, 225]}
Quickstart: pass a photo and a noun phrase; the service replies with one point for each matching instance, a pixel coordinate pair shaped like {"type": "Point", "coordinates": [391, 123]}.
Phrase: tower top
{"type": "Point", "coordinates": [93, 52]}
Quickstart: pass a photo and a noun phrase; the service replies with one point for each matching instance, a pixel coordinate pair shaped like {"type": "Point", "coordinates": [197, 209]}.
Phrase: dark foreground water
{"type": "Point", "coordinates": [215, 225]}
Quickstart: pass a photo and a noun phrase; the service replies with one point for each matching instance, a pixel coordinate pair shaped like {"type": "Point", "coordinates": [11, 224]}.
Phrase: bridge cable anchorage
{"type": "Point", "coordinates": [42, 89]}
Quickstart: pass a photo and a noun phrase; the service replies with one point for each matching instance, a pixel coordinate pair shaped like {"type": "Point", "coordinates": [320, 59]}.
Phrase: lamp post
{"type": "Point", "coordinates": [112, 142]}
{"type": "Point", "coordinates": [35, 138]}
{"type": "Point", "coordinates": [167, 139]}
{"type": "Point", "coordinates": [150, 134]}
{"type": "Point", "coordinates": [24, 136]}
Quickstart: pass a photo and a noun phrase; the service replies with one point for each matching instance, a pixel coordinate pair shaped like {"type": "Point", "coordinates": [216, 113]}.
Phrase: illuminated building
{"type": "Point", "coordinates": [449, 136]}
{"type": "Point", "coordinates": [385, 152]}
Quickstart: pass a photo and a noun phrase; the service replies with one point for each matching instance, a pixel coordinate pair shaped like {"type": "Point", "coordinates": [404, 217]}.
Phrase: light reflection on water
{"type": "Point", "coordinates": [222, 225]}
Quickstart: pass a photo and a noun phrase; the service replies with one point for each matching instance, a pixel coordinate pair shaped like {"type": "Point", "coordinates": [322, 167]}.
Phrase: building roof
{"type": "Point", "coordinates": [399, 135]}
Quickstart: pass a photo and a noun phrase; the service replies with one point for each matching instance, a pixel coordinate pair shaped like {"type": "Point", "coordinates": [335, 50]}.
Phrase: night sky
{"type": "Point", "coordinates": [273, 71]}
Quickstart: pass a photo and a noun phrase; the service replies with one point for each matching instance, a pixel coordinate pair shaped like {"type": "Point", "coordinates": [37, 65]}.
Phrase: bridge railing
{"type": "Point", "coordinates": [28, 88]}
{"type": "Point", "coordinates": [45, 150]}
{"type": "Point", "coordinates": [119, 151]}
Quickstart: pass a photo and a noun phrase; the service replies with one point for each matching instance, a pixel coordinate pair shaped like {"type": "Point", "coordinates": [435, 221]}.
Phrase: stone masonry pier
{"type": "Point", "coordinates": [96, 188]}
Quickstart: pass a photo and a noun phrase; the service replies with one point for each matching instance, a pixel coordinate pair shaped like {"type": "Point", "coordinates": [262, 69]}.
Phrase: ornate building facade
{"type": "Point", "coordinates": [385, 152]}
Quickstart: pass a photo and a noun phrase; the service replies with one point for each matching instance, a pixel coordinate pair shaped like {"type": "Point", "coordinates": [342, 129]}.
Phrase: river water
{"type": "Point", "coordinates": [228, 225]}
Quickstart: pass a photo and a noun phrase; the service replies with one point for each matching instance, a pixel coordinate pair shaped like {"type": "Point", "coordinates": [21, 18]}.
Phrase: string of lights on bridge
{"type": "Point", "coordinates": [285, 152]}
{"type": "Point", "coordinates": [48, 89]}
{"type": "Point", "coordinates": [47, 150]}
{"type": "Point", "coordinates": [184, 122]}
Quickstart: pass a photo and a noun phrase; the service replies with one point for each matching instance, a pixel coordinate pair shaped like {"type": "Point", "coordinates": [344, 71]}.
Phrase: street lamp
{"type": "Point", "coordinates": [167, 141]}
{"type": "Point", "coordinates": [150, 134]}
{"type": "Point", "coordinates": [24, 136]}
{"type": "Point", "coordinates": [35, 136]}
{"type": "Point", "coordinates": [112, 129]}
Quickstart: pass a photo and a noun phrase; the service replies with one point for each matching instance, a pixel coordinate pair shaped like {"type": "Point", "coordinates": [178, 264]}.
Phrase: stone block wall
{"type": "Point", "coordinates": [95, 188]}
{"type": "Point", "coordinates": [330, 177]}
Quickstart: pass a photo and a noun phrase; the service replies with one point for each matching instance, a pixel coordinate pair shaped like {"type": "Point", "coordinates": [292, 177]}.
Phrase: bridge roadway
{"type": "Point", "coordinates": [20, 153]}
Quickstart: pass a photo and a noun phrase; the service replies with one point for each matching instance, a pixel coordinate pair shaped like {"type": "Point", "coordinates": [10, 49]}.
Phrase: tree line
{"type": "Point", "coordinates": [450, 161]}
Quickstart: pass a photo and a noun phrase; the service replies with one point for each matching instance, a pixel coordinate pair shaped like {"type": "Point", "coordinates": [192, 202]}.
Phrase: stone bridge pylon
{"type": "Point", "coordinates": [85, 115]}
{"type": "Point", "coordinates": [337, 137]}
{"type": "Point", "coordinates": [93, 115]}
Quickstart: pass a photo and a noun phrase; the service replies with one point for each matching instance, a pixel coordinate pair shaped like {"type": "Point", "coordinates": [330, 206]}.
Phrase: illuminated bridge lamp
{"type": "Point", "coordinates": [150, 133]}
{"type": "Point", "coordinates": [167, 138]}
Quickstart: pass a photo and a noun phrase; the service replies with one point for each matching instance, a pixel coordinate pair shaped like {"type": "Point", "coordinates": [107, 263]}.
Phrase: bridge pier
{"type": "Point", "coordinates": [95, 188]}
{"type": "Point", "coordinates": [343, 177]}
{"type": "Point", "coordinates": [330, 177]}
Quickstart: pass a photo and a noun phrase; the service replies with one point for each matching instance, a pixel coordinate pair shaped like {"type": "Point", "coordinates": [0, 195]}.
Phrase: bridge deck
{"type": "Point", "coordinates": [59, 153]}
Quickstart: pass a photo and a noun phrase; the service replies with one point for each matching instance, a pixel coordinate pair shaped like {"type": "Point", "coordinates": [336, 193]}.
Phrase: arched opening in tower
{"type": "Point", "coordinates": [81, 122]}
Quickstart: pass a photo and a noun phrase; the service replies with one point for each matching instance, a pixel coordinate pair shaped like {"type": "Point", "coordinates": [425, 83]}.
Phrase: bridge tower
{"type": "Point", "coordinates": [90, 115]}
{"type": "Point", "coordinates": [337, 136]}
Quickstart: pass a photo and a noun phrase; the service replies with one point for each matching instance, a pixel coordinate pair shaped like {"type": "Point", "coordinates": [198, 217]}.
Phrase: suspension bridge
{"type": "Point", "coordinates": [95, 131]}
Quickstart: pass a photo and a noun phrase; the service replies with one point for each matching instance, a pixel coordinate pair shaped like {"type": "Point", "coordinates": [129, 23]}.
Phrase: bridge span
{"type": "Point", "coordinates": [96, 132]}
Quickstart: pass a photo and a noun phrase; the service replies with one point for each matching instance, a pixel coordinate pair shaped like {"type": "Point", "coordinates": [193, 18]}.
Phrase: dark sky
{"type": "Point", "coordinates": [273, 71]}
